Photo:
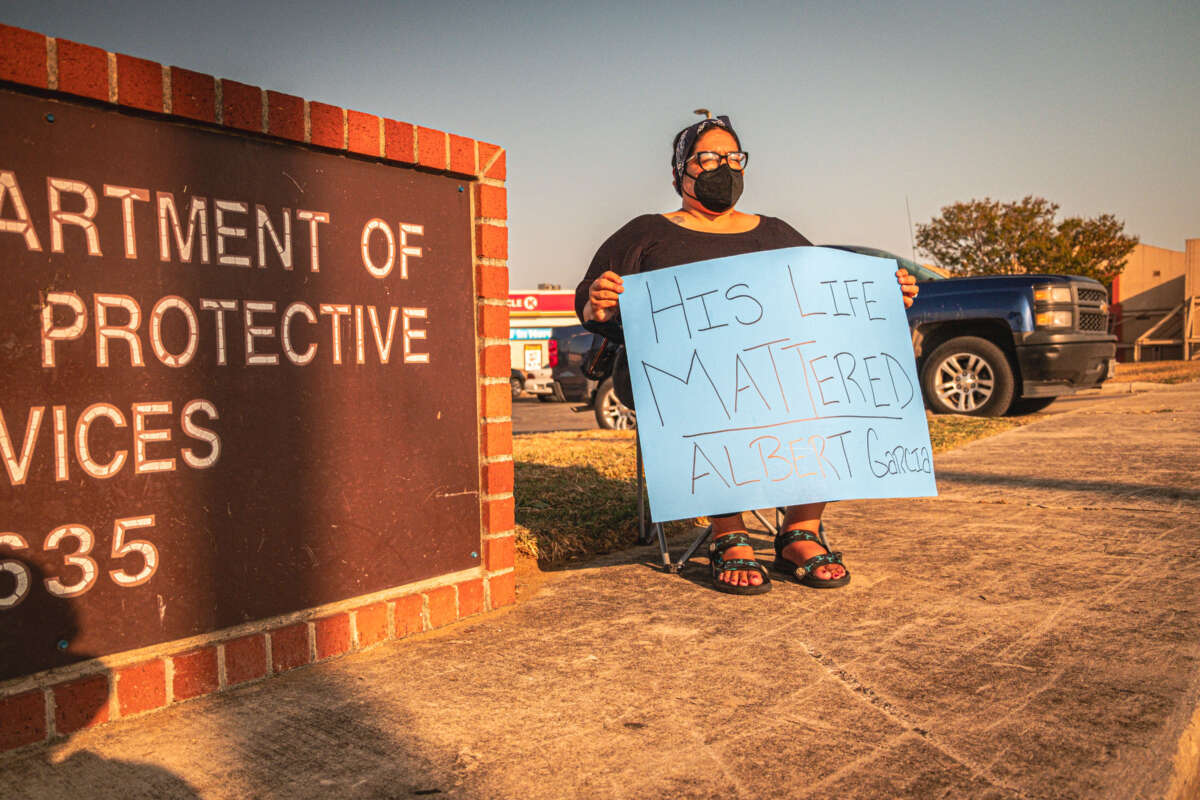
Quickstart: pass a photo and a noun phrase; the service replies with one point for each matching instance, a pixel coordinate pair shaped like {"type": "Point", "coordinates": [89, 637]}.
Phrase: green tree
{"type": "Point", "coordinates": [987, 237]}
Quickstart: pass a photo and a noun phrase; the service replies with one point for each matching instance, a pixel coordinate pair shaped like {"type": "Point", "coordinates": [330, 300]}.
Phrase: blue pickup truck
{"type": "Point", "coordinates": [999, 344]}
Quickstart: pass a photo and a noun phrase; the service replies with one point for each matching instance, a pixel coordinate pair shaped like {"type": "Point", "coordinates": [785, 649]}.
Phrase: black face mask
{"type": "Point", "coordinates": [720, 189]}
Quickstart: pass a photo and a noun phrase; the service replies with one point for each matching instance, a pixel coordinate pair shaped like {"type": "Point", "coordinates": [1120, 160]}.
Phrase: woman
{"type": "Point", "coordinates": [708, 166]}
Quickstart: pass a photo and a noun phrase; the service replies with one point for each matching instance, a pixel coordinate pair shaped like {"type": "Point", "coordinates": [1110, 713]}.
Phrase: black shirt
{"type": "Point", "coordinates": [651, 242]}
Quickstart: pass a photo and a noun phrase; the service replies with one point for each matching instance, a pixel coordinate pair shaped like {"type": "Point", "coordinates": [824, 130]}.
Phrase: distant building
{"type": "Point", "coordinates": [1156, 304]}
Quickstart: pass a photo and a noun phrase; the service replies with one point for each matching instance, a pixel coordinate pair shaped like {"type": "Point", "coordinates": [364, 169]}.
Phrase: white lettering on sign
{"type": "Point", "coordinates": [147, 434]}
{"type": "Point", "coordinates": [262, 222]}
{"type": "Point", "coordinates": [193, 326]}
{"type": "Point", "coordinates": [127, 195]}
{"type": "Point", "coordinates": [122, 548]}
{"type": "Point", "coordinates": [80, 558]}
{"type": "Point", "coordinates": [314, 218]}
{"type": "Point", "coordinates": [83, 450]}
{"type": "Point", "coordinates": [220, 209]}
{"type": "Point", "coordinates": [408, 251]}
{"type": "Point", "coordinates": [409, 334]}
{"type": "Point", "coordinates": [21, 224]}
{"type": "Point", "coordinates": [258, 331]}
{"type": "Point", "coordinates": [85, 219]}
{"type": "Point", "coordinates": [80, 569]}
{"type": "Point", "coordinates": [285, 331]}
{"type": "Point", "coordinates": [20, 572]}
{"type": "Point", "coordinates": [168, 225]}
{"type": "Point", "coordinates": [126, 333]}
{"type": "Point", "coordinates": [389, 238]}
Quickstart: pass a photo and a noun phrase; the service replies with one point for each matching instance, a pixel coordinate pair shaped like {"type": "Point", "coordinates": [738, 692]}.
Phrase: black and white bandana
{"type": "Point", "coordinates": [687, 140]}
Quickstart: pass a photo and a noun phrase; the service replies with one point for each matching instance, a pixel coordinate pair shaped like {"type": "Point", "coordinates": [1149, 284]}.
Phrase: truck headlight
{"type": "Point", "coordinates": [1052, 294]}
{"type": "Point", "coordinates": [1053, 319]}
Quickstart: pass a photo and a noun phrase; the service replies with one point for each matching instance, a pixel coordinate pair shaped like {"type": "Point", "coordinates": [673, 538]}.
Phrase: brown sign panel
{"type": "Point", "coordinates": [238, 380]}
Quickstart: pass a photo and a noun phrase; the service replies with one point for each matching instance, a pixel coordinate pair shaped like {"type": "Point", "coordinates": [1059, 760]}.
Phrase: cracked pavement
{"type": "Point", "coordinates": [1033, 632]}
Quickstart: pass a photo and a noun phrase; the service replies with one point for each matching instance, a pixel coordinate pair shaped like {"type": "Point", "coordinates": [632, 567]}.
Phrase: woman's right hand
{"type": "Point", "coordinates": [603, 295]}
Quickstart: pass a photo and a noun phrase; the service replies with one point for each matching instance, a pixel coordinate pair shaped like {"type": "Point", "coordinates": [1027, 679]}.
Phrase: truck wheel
{"type": "Point", "coordinates": [611, 413]}
{"type": "Point", "coordinates": [968, 375]}
{"type": "Point", "coordinates": [517, 385]}
{"type": "Point", "coordinates": [1029, 405]}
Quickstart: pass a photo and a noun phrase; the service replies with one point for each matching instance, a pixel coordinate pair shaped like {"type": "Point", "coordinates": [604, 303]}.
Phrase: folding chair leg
{"type": "Point", "coordinates": [692, 548]}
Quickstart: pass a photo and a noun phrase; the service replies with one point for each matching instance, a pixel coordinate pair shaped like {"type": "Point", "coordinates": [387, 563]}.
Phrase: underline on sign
{"type": "Point", "coordinates": [789, 422]}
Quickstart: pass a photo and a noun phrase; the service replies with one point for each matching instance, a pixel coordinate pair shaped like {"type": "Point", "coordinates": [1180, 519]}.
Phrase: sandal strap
{"type": "Point", "coordinates": [724, 542]}
{"type": "Point", "coordinates": [734, 564]}
{"type": "Point", "coordinates": [818, 560]}
{"type": "Point", "coordinates": [785, 538]}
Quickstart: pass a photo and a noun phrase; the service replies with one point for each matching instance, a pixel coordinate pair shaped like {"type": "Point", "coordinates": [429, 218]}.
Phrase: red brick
{"type": "Point", "coordinates": [22, 716]}
{"type": "Point", "coordinates": [496, 361]}
{"type": "Point", "coordinates": [80, 703]}
{"type": "Point", "coordinates": [245, 659]}
{"type": "Point", "coordinates": [328, 125]}
{"type": "Point", "coordinates": [22, 58]}
{"type": "Point", "coordinates": [285, 116]}
{"type": "Point", "coordinates": [139, 83]}
{"type": "Point", "coordinates": [492, 282]}
{"type": "Point", "coordinates": [497, 477]}
{"type": "Point", "coordinates": [193, 95]}
{"type": "Point", "coordinates": [398, 141]}
{"type": "Point", "coordinates": [142, 687]}
{"type": "Point", "coordinates": [441, 606]}
{"type": "Point", "coordinates": [491, 201]}
{"type": "Point", "coordinates": [499, 515]}
{"type": "Point", "coordinates": [408, 615]}
{"type": "Point", "coordinates": [363, 130]}
{"type": "Point", "coordinates": [195, 673]}
{"type": "Point", "coordinates": [499, 553]}
{"type": "Point", "coordinates": [486, 152]}
{"type": "Point", "coordinates": [491, 241]}
{"type": "Point", "coordinates": [332, 635]}
{"type": "Point", "coordinates": [462, 155]}
{"type": "Point", "coordinates": [431, 148]}
{"type": "Point", "coordinates": [241, 106]}
{"type": "Point", "coordinates": [82, 69]}
{"type": "Point", "coordinates": [496, 439]}
{"type": "Point", "coordinates": [470, 598]}
{"type": "Point", "coordinates": [503, 589]}
{"type": "Point", "coordinates": [289, 647]}
{"type": "Point", "coordinates": [493, 322]}
{"type": "Point", "coordinates": [372, 624]}
{"type": "Point", "coordinates": [496, 400]}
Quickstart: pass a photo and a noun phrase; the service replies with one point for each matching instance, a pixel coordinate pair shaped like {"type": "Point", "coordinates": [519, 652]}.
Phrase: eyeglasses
{"type": "Point", "coordinates": [709, 161]}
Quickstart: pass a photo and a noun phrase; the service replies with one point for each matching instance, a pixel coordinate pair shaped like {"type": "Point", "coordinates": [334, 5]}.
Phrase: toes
{"type": "Point", "coordinates": [755, 579]}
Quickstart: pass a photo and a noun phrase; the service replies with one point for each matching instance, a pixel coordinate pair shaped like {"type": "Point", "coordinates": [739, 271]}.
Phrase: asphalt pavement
{"type": "Point", "coordinates": [1032, 632]}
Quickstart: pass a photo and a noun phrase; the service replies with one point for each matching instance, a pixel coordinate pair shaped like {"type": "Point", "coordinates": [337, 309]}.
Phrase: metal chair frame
{"type": "Point", "coordinates": [674, 567]}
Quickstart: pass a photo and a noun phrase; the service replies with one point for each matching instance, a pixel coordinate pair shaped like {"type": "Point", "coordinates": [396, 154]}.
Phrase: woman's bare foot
{"type": "Point", "coordinates": [735, 577]}
{"type": "Point", "coordinates": [808, 517]}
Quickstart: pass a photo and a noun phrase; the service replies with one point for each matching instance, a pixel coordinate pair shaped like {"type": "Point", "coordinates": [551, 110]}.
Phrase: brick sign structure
{"type": "Point", "coordinates": [254, 409]}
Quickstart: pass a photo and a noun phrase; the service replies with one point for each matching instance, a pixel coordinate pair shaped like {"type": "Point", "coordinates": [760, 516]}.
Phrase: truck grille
{"type": "Point", "coordinates": [1092, 295]}
{"type": "Point", "coordinates": [1091, 321]}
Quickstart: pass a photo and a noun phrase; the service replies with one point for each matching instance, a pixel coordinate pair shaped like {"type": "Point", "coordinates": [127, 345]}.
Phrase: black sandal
{"type": "Point", "coordinates": [803, 573]}
{"type": "Point", "coordinates": [718, 565]}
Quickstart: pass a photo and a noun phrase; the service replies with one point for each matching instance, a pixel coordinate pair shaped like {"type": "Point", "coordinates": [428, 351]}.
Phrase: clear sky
{"type": "Point", "coordinates": [847, 108]}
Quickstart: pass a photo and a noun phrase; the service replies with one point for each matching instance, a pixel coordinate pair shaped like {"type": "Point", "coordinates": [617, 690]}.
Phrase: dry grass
{"type": "Point", "coordinates": [1158, 372]}
{"type": "Point", "coordinates": [575, 490]}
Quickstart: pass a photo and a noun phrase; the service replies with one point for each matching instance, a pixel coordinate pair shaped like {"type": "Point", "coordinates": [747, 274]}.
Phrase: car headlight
{"type": "Point", "coordinates": [1053, 319]}
{"type": "Point", "coordinates": [1052, 294]}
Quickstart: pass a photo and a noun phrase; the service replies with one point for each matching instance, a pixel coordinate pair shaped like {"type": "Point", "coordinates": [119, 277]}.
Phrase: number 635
{"type": "Point", "coordinates": [81, 558]}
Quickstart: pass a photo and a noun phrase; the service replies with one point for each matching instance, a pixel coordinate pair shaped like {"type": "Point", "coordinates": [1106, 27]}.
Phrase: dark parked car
{"type": "Point", "coordinates": [996, 344]}
{"type": "Point", "coordinates": [571, 348]}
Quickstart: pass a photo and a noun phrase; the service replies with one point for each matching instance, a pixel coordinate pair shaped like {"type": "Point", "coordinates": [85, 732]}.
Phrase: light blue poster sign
{"type": "Point", "coordinates": [774, 378]}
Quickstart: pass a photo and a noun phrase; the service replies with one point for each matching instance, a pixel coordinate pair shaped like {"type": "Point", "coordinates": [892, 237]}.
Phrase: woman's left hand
{"type": "Point", "coordinates": [908, 286]}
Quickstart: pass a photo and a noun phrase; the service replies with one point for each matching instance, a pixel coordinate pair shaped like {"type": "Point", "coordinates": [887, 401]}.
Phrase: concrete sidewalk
{"type": "Point", "coordinates": [1032, 632]}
